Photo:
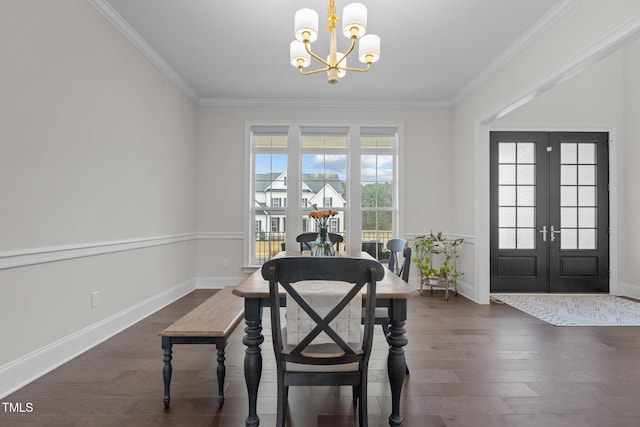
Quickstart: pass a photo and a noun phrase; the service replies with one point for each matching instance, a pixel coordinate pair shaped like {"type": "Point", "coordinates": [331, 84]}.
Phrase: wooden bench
{"type": "Point", "coordinates": [212, 322]}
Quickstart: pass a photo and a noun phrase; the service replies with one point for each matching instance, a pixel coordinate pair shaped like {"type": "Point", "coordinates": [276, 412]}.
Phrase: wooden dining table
{"type": "Point", "coordinates": [392, 293]}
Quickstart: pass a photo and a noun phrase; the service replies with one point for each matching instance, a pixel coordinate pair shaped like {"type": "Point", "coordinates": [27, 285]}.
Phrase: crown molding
{"type": "Point", "coordinates": [111, 15]}
{"type": "Point", "coordinates": [538, 28]}
{"type": "Point", "coordinates": [138, 41]}
{"type": "Point", "coordinates": [346, 103]}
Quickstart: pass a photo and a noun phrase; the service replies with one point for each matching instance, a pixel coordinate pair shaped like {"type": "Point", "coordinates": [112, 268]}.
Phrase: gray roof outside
{"type": "Point", "coordinates": [315, 181]}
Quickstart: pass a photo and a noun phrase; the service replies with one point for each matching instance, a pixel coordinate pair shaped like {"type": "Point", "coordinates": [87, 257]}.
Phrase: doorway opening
{"type": "Point", "coordinates": [549, 212]}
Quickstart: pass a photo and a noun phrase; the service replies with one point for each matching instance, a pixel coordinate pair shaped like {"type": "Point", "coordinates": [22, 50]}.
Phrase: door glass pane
{"type": "Point", "coordinates": [526, 195]}
{"type": "Point", "coordinates": [526, 152]}
{"type": "Point", "coordinates": [507, 195]}
{"type": "Point", "coordinates": [568, 152]}
{"type": "Point", "coordinates": [586, 196]}
{"type": "Point", "coordinates": [526, 217]}
{"type": "Point", "coordinates": [568, 196]}
{"type": "Point", "coordinates": [586, 153]}
{"type": "Point", "coordinates": [586, 239]}
{"type": "Point", "coordinates": [506, 217]}
{"type": "Point", "coordinates": [506, 174]}
{"type": "Point", "coordinates": [526, 238]}
{"type": "Point", "coordinates": [586, 175]}
{"type": "Point", "coordinates": [516, 195]}
{"type": "Point", "coordinates": [568, 175]}
{"type": "Point", "coordinates": [569, 238]}
{"type": "Point", "coordinates": [568, 217]}
{"type": "Point", "coordinates": [587, 217]}
{"type": "Point", "coordinates": [507, 238]}
{"type": "Point", "coordinates": [526, 175]}
{"type": "Point", "coordinates": [507, 152]}
{"type": "Point", "coordinates": [578, 177]}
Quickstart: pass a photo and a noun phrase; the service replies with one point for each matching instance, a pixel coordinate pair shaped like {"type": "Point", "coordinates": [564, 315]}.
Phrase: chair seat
{"type": "Point", "coordinates": [319, 351]}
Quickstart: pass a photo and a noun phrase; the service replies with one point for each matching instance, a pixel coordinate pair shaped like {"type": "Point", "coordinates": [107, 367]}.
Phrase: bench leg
{"type": "Point", "coordinates": [221, 371]}
{"type": "Point", "coordinates": [166, 369]}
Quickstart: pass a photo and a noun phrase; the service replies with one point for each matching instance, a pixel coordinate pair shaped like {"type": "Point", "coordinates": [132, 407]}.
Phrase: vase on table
{"type": "Point", "coordinates": [322, 246]}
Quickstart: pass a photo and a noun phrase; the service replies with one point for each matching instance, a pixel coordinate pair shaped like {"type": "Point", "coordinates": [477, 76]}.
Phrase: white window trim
{"type": "Point", "coordinates": [294, 155]}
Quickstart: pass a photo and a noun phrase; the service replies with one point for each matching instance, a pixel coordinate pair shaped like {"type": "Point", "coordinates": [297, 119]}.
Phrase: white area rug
{"type": "Point", "coordinates": [576, 310]}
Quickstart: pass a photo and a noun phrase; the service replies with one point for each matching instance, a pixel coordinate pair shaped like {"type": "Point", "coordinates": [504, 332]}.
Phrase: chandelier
{"type": "Point", "coordinates": [354, 27]}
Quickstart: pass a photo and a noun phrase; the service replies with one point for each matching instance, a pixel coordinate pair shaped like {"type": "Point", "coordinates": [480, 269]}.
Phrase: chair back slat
{"type": "Point", "coordinates": [354, 274]}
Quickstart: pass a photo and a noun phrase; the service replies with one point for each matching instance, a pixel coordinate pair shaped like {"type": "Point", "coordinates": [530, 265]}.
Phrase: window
{"type": "Point", "coordinates": [269, 146]}
{"type": "Point", "coordinates": [377, 190]}
{"type": "Point", "coordinates": [324, 154]}
{"type": "Point", "coordinates": [335, 166]}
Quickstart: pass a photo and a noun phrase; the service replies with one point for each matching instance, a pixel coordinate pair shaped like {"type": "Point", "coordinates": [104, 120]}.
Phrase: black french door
{"type": "Point", "coordinates": [549, 212]}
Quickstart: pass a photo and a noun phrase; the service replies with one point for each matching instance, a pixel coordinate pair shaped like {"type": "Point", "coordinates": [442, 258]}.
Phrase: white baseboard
{"type": "Point", "coordinates": [28, 368]}
{"type": "Point", "coordinates": [218, 282]}
{"type": "Point", "coordinates": [629, 290]}
{"type": "Point", "coordinates": [466, 289]}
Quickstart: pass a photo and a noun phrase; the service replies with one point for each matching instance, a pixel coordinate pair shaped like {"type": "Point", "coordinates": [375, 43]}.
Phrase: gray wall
{"type": "Point", "coordinates": [97, 155]}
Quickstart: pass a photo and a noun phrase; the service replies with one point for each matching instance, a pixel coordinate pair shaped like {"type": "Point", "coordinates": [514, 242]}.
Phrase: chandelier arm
{"type": "Point", "coordinates": [353, 44]}
{"type": "Point", "coordinates": [306, 45]}
{"type": "Point", "coordinates": [306, 73]}
{"type": "Point", "coordinates": [362, 70]}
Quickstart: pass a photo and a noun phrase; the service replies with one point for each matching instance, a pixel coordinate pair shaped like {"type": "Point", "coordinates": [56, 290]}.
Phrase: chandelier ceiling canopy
{"type": "Point", "coordinates": [354, 27]}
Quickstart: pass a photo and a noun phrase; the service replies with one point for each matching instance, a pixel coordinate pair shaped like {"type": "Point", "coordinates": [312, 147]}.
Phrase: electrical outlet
{"type": "Point", "coordinates": [95, 299]}
{"type": "Point", "coordinates": [225, 263]}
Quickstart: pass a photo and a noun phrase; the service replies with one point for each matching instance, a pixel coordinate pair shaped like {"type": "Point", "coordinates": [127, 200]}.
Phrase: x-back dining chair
{"type": "Point", "coordinates": [322, 354]}
{"type": "Point", "coordinates": [305, 240]}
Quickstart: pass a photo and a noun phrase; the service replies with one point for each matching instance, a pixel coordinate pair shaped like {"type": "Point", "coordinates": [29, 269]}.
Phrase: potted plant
{"type": "Point", "coordinates": [436, 261]}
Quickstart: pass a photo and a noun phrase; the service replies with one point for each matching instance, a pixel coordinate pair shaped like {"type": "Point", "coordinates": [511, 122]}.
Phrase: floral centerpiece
{"type": "Point", "coordinates": [322, 246]}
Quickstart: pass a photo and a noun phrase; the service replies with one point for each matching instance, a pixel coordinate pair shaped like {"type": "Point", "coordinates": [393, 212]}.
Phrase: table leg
{"type": "Point", "coordinates": [167, 369]}
{"type": "Point", "coordinates": [253, 358]}
{"type": "Point", "coordinates": [396, 364]}
{"type": "Point", "coordinates": [221, 372]}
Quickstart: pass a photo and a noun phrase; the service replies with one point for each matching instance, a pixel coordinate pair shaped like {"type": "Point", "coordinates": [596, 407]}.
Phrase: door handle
{"type": "Point", "coordinates": [553, 233]}
{"type": "Point", "coordinates": [544, 233]}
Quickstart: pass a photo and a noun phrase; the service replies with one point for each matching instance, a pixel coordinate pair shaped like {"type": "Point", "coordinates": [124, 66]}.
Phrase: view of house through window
{"type": "Point", "coordinates": [324, 175]}
{"type": "Point", "coordinates": [376, 192]}
{"type": "Point", "coordinates": [270, 168]}
{"type": "Point", "coordinates": [323, 156]}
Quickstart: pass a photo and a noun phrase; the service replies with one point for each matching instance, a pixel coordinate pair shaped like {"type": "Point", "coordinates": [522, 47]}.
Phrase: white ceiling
{"type": "Point", "coordinates": [237, 51]}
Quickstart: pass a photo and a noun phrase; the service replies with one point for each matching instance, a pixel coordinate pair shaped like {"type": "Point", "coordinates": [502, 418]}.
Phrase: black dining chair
{"type": "Point", "coordinates": [336, 360]}
{"type": "Point", "coordinates": [305, 240]}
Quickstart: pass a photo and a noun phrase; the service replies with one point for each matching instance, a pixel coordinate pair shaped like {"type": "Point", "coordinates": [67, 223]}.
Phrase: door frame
{"type": "Point", "coordinates": [548, 277]}
{"type": "Point", "coordinates": [482, 191]}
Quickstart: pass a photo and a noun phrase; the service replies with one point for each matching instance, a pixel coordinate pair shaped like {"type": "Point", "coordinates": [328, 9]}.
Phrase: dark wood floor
{"type": "Point", "coordinates": [471, 365]}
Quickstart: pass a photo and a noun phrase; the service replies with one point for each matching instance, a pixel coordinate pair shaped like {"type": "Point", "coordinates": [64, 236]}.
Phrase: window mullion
{"type": "Point", "coordinates": [294, 193]}
{"type": "Point", "coordinates": [353, 210]}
